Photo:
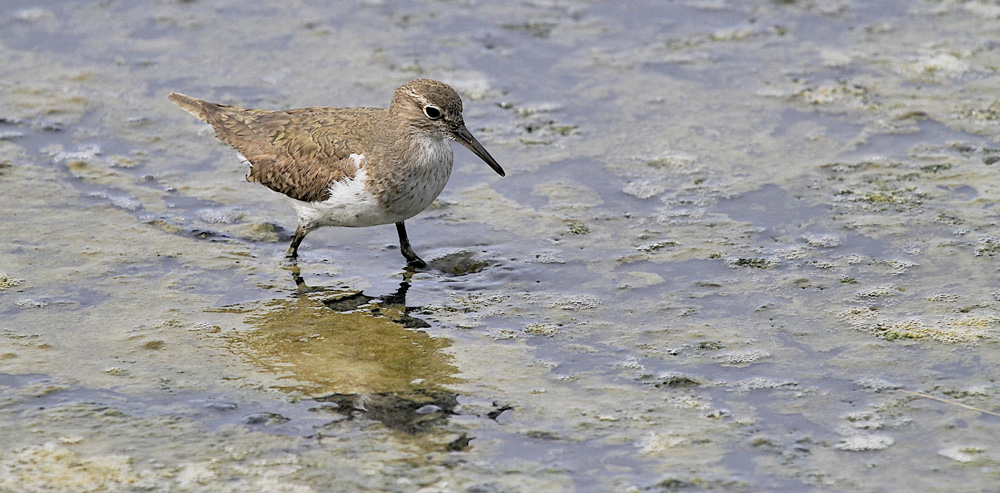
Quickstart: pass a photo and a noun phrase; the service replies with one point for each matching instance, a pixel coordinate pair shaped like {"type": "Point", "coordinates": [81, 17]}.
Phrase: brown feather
{"type": "Point", "coordinates": [299, 152]}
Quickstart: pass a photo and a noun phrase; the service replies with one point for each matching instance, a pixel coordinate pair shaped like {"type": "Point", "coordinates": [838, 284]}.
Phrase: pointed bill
{"type": "Point", "coordinates": [464, 137]}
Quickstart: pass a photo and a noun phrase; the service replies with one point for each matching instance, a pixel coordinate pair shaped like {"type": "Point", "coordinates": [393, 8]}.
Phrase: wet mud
{"type": "Point", "coordinates": [740, 246]}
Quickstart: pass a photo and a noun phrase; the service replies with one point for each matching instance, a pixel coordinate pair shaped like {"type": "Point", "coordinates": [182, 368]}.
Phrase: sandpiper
{"type": "Point", "coordinates": [350, 167]}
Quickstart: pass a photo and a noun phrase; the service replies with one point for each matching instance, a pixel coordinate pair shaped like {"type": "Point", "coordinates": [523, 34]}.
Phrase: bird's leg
{"type": "Point", "coordinates": [406, 249]}
{"type": "Point", "coordinates": [300, 234]}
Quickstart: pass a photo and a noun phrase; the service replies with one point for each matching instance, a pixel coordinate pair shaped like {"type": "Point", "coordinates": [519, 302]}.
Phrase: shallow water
{"type": "Point", "coordinates": [740, 246]}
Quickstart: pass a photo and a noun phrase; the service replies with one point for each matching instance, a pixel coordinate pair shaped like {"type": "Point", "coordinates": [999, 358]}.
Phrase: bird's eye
{"type": "Point", "coordinates": [432, 112]}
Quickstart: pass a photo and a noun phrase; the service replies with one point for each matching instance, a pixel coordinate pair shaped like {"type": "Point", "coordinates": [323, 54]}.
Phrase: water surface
{"type": "Point", "coordinates": [740, 246]}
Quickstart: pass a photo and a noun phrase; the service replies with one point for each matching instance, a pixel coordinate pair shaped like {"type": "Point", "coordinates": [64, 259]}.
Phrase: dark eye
{"type": "Point", "coordinates": [432, 112]}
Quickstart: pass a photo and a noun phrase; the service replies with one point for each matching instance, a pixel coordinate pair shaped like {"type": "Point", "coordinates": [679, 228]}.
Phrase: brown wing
{"type": "Point", "coordinates": [300, 152]}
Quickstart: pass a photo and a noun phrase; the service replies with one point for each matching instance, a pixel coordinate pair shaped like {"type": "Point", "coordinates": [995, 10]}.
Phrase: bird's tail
{"type": "Point", "coordinates": [189, 104]}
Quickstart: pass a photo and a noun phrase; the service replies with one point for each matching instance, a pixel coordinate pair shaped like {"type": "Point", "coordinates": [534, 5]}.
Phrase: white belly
{"type": "Point", "coordinates": [404, 193]}
{"type": "Point", "coordinates": [350, 204]}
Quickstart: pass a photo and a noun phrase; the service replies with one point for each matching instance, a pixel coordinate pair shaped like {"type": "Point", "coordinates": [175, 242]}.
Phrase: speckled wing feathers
{"type": "Point", "coordinates": [300, 152]}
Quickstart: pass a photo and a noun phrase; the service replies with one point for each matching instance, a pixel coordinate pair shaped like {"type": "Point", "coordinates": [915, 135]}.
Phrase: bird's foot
{"type": "Point", "coordinates": [415, 262]}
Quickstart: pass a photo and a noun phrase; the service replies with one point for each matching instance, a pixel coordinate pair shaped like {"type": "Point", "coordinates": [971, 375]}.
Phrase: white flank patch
{"type": "Point", "coordinates": [350, 204]}
{"type": "Point", "coordinates": [359, 160]}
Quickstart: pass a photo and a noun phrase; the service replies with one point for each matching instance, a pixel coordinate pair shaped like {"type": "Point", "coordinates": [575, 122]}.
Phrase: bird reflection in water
{"type": "Point", "coordinates": [359, 356]}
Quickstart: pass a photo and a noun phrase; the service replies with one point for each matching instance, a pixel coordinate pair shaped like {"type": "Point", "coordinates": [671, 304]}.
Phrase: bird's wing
{"type": "Point", "coordinates": [300, 152]}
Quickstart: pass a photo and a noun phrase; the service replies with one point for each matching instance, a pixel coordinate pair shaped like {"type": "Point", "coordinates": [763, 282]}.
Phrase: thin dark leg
{"type": "Point", "coordinates": [293, 249]}
{"type": "Point", "coordinates": [406, 249]}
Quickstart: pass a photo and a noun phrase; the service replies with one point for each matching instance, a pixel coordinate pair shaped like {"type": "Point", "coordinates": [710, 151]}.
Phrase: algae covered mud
{"type": "Point", "coordinates": [741, 246]}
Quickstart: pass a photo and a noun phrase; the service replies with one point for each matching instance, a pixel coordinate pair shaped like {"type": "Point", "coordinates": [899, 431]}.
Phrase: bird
{"type": "Point", "coordinates": [350, 167]}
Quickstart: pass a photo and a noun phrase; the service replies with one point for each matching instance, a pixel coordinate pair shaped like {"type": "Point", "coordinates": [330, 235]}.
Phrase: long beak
{"type": "Point", "coordinates": [464, 137]}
